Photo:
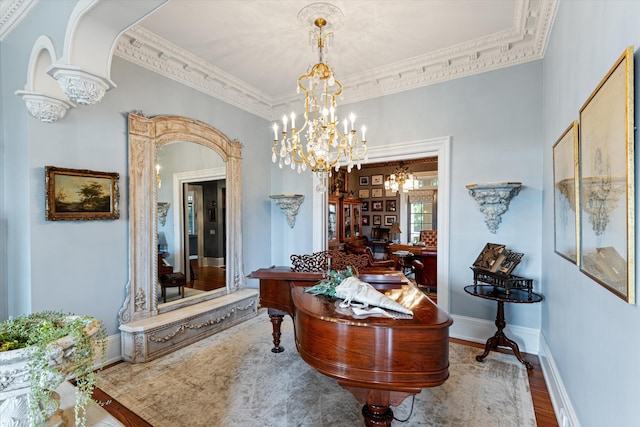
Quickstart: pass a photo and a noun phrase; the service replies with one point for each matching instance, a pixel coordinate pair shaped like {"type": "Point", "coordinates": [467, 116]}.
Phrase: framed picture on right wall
{"type": "Point", "coordinates": [566, 195]}
{"type": "Point", "coordinates": [607, 181]}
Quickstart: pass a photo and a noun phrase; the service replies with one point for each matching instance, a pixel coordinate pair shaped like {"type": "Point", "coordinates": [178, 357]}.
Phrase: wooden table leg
{"type": "Point", "coordinates": [500, 339]}
{"type": "Point", "coordinates": [276, 317]}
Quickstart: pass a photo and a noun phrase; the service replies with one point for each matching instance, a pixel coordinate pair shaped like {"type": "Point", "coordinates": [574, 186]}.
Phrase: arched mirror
{"type": "Point", "coordinates": [185, 185]}
{"type": "Point", "coordinates": [191, 187]}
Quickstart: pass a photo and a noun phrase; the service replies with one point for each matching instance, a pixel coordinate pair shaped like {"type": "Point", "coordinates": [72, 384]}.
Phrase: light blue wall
{"type": "Point", "coordinates": [17, 195]}
{"type": "Point", "coordinates": [593, 335]}
{"type": "Point", "coordinates": [502, 123]}
{"type": "Point", "coordinates": [494, 120]}
{"type": "Point", "coordinates": [287, 240]}
{"type": "Point", "coordinates": [82, 267]}
{"type": "Point", "coordinates": [4, 288]}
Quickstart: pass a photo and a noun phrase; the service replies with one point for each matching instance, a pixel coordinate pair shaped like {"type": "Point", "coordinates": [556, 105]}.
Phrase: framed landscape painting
{"type": "Point", "coordinates": [607, 182]}
{"type": "Point", "coordinates": [566, 195]}
{"type": "Point", "coordinates": [80, 194]}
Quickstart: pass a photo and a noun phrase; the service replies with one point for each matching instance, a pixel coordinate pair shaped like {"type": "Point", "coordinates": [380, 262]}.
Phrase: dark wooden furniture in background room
{"type": "Point", "coordinates": [163, 267]}
{"type": "Point", "coordinates": [351, 219]}
{"type": "Point", "coordinates": [344, 222]}
{"type": "Point", "coordinates": [387, 359]}
{"type": "Point", "coordinates": [366, 250]}
{"type": "Point", "coordinates": [426, 269]}
{"type": "Point", "coordinates": [334, 225]}
{"type": "Point", "coordinates": [168, 279]}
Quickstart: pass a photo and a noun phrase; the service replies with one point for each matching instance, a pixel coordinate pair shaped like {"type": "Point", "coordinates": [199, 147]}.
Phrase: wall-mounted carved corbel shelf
{"type": "Point", "coordinates": [289, 203]}
{"type": "Point", "coordinates": [494, 200]}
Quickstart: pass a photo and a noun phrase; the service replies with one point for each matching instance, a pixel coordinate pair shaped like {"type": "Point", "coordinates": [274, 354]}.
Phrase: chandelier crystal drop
{"type": "Point", "coordinates": [401, 180]}
{"type": "Point", "coordinates": [319, 143]}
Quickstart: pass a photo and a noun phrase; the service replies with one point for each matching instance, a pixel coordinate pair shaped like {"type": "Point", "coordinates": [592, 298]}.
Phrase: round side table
{"type": "Point", "coordinates": [498, 294]}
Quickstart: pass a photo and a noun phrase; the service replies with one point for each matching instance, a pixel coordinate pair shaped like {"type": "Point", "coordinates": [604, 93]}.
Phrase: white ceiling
{"type": "Point", "coordinates": [250, 52]}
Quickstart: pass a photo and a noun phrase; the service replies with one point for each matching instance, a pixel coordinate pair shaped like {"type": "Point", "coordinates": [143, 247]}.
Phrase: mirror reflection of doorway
{"type": "Point", "coordinates": [203, 234]}
{"type": "Point", "coordinates": [192, 180]}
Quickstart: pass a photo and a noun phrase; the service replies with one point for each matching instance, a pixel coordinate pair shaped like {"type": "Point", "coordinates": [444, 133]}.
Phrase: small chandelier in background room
{"type": "Point", "coordinates": [401, 179]}
{"type": "Point", "coordinates": [326, 146]}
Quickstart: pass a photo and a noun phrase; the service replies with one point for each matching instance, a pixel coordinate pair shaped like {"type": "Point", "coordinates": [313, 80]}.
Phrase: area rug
{"type": "Point", "coordinates": [233, 379]}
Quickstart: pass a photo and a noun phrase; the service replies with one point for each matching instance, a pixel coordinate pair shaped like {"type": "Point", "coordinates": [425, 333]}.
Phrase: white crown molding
{"type": "Point", "coordinates": [526, 41]}
{"type": "Point", "coordinates": [150, 51]}
{"type": "Point", "coordinates": [12, 12]}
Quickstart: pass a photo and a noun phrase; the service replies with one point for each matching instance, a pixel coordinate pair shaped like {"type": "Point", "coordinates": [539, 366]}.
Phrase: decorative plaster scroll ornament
{"type": "Point", "coordinates": [80, 86]}
{"type": "Point", "coordinates": [289, 203]}
{"type": "Point", "coordinates": [43, 107]}
{"type": "Point", "coordinates": [494, 200]}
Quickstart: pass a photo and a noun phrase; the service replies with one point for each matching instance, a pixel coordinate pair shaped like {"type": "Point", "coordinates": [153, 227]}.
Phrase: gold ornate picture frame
{"type": "Point", "coordinates": [607, 173]}
{"type": "Point", "coordinates": [80, 194]}
{"type": "Point", "coordinates": [566, 195]}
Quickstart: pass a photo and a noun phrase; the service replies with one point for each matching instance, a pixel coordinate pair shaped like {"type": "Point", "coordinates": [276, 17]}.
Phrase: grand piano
{"type": "Point", "coordinates": [381, 361]}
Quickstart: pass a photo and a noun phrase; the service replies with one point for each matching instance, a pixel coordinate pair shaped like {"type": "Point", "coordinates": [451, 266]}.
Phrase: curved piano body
{"type": "Point", "coordinates": [380, 360]}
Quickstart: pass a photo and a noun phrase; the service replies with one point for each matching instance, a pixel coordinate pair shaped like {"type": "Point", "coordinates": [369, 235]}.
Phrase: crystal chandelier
{"type": "Point", "coordinates": [319, 143]}
{"type": "Point", "coordinates": [401, 179]}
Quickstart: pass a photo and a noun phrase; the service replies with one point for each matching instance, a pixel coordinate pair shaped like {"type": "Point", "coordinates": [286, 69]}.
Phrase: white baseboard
{"type": "Point", "coordinates": [530, 341]}
{"type": "Point", "coordinates": [562, 406]}
{"type": "Point", "coordinates": [114, 349]}
{"type": "Point", "coordinates": [479, 330]}
{"type": "Point", "coordinates": [213, 262]}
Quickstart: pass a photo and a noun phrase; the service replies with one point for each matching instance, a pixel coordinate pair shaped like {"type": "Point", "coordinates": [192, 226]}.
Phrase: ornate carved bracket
{"type": "Point", "coordinates": [43, 107]}
{"type": "Point", "coordinates": [163, 209]}
{"type": "Point", "coordinates": [80, 86]}
{"type": "Point", "coordinates": [289, 203]}
{"type": "Point", "coordinates": [494, 200]}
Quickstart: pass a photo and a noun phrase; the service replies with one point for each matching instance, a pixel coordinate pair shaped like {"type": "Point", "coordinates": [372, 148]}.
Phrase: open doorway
{"type": "Point", "coordinates": [204, 233]}
{"type": "Point", "coordinates": [439, 148]}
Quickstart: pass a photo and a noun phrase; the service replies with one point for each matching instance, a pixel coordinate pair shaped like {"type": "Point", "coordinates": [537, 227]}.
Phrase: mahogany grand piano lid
{"type": "Point", "coordinates": [425, 312]}
{"type": "Point", "coordinates": [373, 276]}
{"type": "Point", "coordinates": [392, 283]}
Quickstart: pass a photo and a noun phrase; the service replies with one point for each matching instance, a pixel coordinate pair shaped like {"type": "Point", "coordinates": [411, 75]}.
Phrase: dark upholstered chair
{"type": "Point", "coordinates": [426, 269]}
{"type": "Point", "coordinates": [366, 250]}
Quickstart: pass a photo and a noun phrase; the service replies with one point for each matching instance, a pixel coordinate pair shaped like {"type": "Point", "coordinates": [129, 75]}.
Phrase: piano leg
{"type": "Point", "coordinates": [276, 317]}
{"type": "Point", "coordinates": [377, 416]}
{"type": "Point", "coordinates": [377, 410]}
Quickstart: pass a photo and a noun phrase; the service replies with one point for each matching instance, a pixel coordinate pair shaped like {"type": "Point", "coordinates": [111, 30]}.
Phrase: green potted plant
{"type": "Point", "coordinates": [37, 353]}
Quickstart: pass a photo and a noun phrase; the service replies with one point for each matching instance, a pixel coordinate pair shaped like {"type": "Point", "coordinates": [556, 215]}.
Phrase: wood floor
{"type": "Point", "coordinates": [207, 278]}
{"type": "Point", "coordinates": [545, 417]}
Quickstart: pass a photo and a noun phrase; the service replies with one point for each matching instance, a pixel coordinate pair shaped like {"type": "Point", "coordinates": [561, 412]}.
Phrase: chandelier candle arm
{"type": "Point", "coordinates": [326, 148]}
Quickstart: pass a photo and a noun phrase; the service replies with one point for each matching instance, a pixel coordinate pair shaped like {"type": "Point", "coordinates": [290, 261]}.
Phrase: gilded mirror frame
{"type": "Point", "coordinates": [146, 135]}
